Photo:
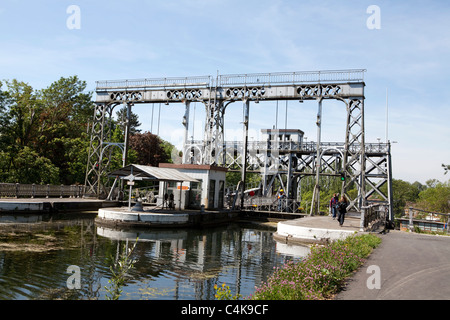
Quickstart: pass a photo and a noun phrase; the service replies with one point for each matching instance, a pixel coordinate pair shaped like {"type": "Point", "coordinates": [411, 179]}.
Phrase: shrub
{"type": "Point", "coordinates": [321, 273]}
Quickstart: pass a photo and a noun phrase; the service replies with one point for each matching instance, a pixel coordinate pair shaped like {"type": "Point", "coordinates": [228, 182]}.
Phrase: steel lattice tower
{"type": "Point", "coordinates": [366, 165]}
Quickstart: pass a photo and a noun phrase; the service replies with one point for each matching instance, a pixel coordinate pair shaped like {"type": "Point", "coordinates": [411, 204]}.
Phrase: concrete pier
{"type": "Point", "coordinates": [123, 217]}
{"type": "Point", "coordinates": [316, 229]}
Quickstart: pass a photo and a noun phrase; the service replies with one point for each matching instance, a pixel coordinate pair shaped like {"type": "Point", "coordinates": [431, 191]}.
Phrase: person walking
{"type": "Point", "coordinates": [342, 209]}
{"type": "Point", "coordinates": [281, 196]}
{"type": "Point", "coordinates": [333, 202]}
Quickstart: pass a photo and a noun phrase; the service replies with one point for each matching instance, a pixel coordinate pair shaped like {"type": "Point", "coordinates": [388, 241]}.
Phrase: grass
{"type": "Point", "coordinates": [321, 274]}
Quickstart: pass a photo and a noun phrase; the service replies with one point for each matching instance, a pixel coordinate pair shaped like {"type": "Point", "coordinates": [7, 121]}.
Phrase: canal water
{"type": "Point", "coordinates": [39, 253]}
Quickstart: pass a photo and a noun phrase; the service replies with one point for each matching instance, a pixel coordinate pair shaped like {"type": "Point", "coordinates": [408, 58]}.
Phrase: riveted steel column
{"type": "Point", "coordinates": [94, 166]}
{"type": "Point", "coordinates": [316, 195]}
{"type": "Point", "coordinates": [389, 184]}
{"type": "Point", "coordinates": [354, 152]}
{"type": "Point", "coordinates": [126, 135]}
{"type": "Point", "coordinates": [186, 128]}
{"type": "Point", "coordinates": [245, 147]}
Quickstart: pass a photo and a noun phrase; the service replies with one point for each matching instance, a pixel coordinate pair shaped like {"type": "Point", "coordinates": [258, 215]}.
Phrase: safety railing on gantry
{"type": "Point", "coordinates": [280, 78]}
{"type": "Point", "coordinates": [253, 79]}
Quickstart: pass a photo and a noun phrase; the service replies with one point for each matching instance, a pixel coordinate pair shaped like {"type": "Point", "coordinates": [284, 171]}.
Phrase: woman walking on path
{"type": "Point", "coordinates": [342, 209]}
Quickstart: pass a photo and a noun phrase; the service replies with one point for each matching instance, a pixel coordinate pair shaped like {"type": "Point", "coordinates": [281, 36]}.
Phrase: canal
{"type": "Point", "coordinates": [170, 264]}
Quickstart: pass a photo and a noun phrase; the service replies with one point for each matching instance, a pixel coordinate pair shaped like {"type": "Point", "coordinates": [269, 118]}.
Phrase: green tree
{"type": "Point", "coordinates": [3, 118]}
{"type": "Point", "coordinates": [19, 117]}
{"type": "Point", "coordinates": [66, 112]}
{"type": "Point", "coordinates": [150, 149]}
{"type": "Point", "coordinates": [403, 192]}
{"type": "Point", "coordinates": [436, 198]}
{"type": "Point", "coordinates": [134, 120]}
{"type": "Point", "coordinates": [29, 167]}
{"type": "Point", "coordinates": [21, 110]}
{"type": "Point", "coordinates": [47, 128]}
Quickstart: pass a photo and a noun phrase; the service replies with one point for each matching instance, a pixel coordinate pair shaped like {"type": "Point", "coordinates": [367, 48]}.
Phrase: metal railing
{"type": "Point", "coordinates": [18, 190]}
{"type": "Point", "coordinates": [175, 82]}
{"type": "Point", "coordinates": [272, 204]}
{"type": "Point", "coordinates": [310, 146]}
{"type": "Point", "coordinates": [424, 220]}
{"type": "Point", "coordinates": [252, 79]}
{"type": "Point", "coordinates": [372, 216]}
{"type": "Point", "coordinates": [279, 78]}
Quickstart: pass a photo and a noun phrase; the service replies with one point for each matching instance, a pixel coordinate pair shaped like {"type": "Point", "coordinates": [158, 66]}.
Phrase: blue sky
{"type": "Point", "coordinates": [408, 55]}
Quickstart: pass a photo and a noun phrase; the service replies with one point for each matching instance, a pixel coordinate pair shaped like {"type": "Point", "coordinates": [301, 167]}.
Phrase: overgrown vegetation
{"type": "Point", "coordinates": [319, 276]}
{"type": "Point", "coordinates": [119, 272]}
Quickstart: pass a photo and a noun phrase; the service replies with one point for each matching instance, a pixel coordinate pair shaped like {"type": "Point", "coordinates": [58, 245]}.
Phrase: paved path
{"type": "Point", "coordinates": [411, 266]}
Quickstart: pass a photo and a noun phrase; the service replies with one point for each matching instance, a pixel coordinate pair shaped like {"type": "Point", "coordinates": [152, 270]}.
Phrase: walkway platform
{"type": "Point", "coordinates": [316, 229]}
{"type": "Point", "coordinates": [21, 205]}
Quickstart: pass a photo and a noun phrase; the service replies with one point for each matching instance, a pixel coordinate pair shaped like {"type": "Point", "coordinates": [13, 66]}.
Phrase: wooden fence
{"type": "Point", "coordinates": [18, 190]}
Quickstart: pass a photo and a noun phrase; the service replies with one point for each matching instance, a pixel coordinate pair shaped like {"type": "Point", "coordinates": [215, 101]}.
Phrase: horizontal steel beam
{"type": "Point", "coordinates": [237, 93]}
{"type": "Point", "coordinates": [336, 84]}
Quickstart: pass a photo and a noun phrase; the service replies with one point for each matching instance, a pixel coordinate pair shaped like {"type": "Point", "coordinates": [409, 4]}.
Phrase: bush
{"type": "Point", "coordinates": [321, 273]}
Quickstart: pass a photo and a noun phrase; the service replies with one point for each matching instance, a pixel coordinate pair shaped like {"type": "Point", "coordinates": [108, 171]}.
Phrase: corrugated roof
{"type": "Point", "coordinates": [152, 173]}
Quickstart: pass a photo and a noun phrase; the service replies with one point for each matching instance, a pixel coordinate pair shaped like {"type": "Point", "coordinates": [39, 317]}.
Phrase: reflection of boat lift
{"type": "Point", "coordinates": [295, 251]}
{"type": "Point", "coordinates": [176, 238]}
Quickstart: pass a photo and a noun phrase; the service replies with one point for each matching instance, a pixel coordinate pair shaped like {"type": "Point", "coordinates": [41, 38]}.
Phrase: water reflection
{"type": "Point", "coordinates": [171, 263]}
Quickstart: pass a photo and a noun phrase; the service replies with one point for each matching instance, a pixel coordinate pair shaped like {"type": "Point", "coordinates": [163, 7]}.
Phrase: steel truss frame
{"type": "Point", "coordinates": [217, 93]}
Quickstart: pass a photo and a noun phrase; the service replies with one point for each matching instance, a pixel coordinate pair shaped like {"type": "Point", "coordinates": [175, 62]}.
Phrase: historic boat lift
{"type": "Point", "coordinates": [366, 165]}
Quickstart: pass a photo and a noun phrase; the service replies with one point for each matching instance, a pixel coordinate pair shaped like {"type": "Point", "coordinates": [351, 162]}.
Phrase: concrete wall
{"type": "Point", "coordinates": [204, 173]}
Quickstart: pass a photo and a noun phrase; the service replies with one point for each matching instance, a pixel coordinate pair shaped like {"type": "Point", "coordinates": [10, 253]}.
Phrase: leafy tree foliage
{"type": "Point", "coordinates": [150, 149]}
{"type": "Point", "coordinates": [433, 196]}
{"type": "Point", "coordinates": [436, 198]}
{"type": "Point", "coordinates": [134, 120]}
{"type": "Point", "coordinates": [43, 133]}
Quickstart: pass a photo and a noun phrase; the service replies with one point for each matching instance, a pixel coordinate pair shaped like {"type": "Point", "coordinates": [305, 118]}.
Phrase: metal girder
{"type": "Point", "coordinates": [354, 152]}
{"type": "Point", "coordinates": [98, 132]}
{"type": "Point", "coordinates": [100, 149]}
{"type": "Point", "coordinates": [217, 92]}
{"type": "Point", "coordinates": [237, 93]}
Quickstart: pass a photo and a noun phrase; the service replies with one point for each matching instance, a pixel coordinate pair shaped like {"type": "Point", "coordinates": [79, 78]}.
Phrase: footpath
{"type": "Point", "coordinates": [406, 266]}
